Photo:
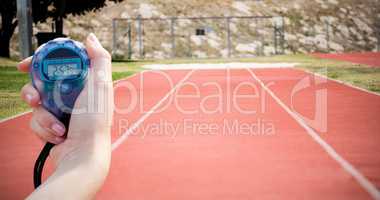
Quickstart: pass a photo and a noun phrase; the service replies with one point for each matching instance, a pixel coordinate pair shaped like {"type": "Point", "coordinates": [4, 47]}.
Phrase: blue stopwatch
{"type": "Point", "coordinates": [59, 73]}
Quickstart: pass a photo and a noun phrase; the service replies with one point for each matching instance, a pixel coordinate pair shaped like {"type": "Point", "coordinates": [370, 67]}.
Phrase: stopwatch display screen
{"type": "Point", "coordinates": [63, 70]}
{"type": "Point", "coordinates": [59, 69]}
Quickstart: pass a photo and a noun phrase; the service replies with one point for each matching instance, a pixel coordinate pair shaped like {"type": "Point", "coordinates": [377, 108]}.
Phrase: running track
{"type": "Point", "coordinates": [367, 58]}
{"type": "Point", "coordinates": [289, 158]}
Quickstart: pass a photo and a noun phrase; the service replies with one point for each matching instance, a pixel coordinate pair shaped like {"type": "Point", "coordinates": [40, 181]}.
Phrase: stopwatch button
{"type": "Point", "coordinates": [65, 88]}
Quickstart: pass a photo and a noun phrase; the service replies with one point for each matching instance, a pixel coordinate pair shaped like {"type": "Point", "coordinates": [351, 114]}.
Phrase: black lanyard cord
{"type": "Point", "coordinates": [40, 162]}
{"type": "Point", "coordinates": [39, 165]}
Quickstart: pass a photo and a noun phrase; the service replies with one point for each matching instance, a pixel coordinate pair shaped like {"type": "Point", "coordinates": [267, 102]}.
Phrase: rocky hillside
{"type": "Point", "coordinates": [317, 25]}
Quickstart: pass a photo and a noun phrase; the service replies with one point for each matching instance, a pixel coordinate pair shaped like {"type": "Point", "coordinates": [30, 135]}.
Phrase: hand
{"type": "Point", "coordinates": [88, 142]}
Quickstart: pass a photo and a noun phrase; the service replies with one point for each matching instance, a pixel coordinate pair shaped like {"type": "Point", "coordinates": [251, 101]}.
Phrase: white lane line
{"type": "Point", "coordinates": [15, 116]}
{"type": "Point", "coordinates": [360, 178]}
{"type": "Point", "coordinates": [29, 111]}
{"type": "Point", "coordinates": [341, 82]}
{"type": "Point", "coordinates": [134, 126]}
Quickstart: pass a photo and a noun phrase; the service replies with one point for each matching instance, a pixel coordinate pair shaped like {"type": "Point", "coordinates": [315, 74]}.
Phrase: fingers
{"type": "Point", "coordinates": [24, 65]}
{"type": "Point", "coordinates": [30, 95]}
{"type": "Point", "coordinates": [47, 127]}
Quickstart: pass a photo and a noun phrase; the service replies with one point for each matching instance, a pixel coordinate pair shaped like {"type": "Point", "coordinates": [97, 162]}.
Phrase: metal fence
{"type": "Point", "coordinates": [197, 37]}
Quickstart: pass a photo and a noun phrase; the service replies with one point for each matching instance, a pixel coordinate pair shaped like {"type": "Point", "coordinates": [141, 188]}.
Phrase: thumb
{"type": "Point", "coordinates": [100, 59]}
{"type": "Point", "coordinates": [94, 106]}
{"type": "Point", "coordinates": [95, 49]}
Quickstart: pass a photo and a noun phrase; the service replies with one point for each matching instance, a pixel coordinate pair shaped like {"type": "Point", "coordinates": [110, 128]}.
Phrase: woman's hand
{"type": "Point", "coordinates": [82, 158]}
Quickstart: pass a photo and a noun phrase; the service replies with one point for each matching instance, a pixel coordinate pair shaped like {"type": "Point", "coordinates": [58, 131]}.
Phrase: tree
{"type": "Point", "coordinates": [8, 25]}
{"type": "Point", "coordinates": [41, 11]}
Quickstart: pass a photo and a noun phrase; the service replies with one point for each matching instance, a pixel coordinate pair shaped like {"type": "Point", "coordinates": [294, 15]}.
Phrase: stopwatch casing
{"type": "Point", "coordinates": [59, 72]}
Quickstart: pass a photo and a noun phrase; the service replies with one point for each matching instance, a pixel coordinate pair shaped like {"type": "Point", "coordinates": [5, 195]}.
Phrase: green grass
{"type": "Point", "coordinates": [358, 75]}
{"type": "Point", "coordinates": [5, 62]}
{"type": "Point", "coordinates": [11, 81]}
{"type": "Point", "coordinates": [367, 78]}
{"type": "Point", "coordinates": [120, 75]}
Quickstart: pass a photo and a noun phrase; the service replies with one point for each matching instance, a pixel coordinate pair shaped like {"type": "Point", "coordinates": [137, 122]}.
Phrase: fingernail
{"type": "Point", "coordinates": [94, 39]}
{"type": "Point", "coordinates": [58, 129]}
{"type": "Point", "coordinates": [29, 97]}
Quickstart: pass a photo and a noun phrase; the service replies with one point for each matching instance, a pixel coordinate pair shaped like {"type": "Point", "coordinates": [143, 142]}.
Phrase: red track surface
{"type": "Point", "coordinates": [278, 160]}
{"type": "Point", "coordinates": [368, 58]}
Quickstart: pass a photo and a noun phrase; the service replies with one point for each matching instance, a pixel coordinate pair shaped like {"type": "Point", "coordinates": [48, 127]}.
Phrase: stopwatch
{"type": "Point", "coordinates": [59, 73]}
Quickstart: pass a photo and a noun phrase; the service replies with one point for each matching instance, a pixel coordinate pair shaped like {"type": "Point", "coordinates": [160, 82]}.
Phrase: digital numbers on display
{"type": "Point", "coordinates": [58, 71]}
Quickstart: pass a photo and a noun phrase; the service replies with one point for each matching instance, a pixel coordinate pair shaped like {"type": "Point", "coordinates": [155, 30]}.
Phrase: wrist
{"type": "Point", "coordinates": [80, 173]}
